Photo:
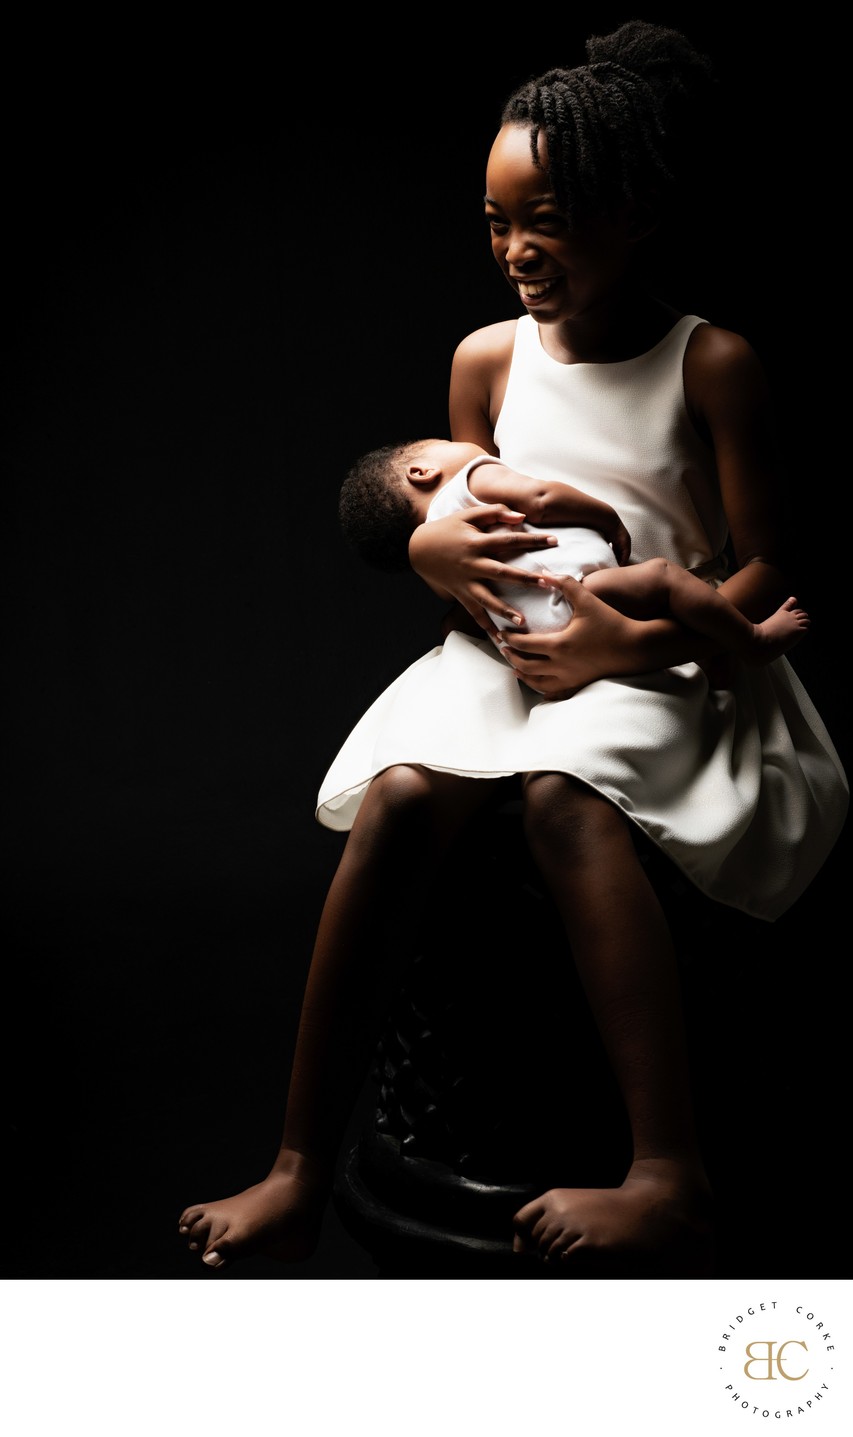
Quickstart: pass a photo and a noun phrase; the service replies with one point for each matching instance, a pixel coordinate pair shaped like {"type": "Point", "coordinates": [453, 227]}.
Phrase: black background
{"type": "Point", "coordinates": [234, 261]}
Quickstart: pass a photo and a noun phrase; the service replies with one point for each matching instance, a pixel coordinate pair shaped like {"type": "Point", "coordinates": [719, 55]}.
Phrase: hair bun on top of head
{"type": "Point", "coordinates": [632, 122]}
{"type": "Point", "coordinates": [664, 58]}
{"type": "Point", "coordinates": [640, 46]}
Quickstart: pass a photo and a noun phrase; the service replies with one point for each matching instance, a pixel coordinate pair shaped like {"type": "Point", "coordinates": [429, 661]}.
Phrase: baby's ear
{"type": "Point", "coordinates": [423, 476]}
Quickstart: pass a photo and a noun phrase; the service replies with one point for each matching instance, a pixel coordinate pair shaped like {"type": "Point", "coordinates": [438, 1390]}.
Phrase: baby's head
{"type": "Point", "coordinates": [387, 492]}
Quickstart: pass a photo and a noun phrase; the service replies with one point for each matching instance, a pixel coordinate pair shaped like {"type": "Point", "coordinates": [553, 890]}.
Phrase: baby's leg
{"type": "Point", "coordinates": [656, 588]}
{"type": "Point", "coordinates": [641, 591]}
{"type": "Point", "coordinates": [658, 1220]}
{"type": "Point", "coordinates": [406, 821]}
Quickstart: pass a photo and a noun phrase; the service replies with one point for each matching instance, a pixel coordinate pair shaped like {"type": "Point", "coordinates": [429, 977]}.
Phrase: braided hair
{"type": "Point", "coordinates": [630, 124]}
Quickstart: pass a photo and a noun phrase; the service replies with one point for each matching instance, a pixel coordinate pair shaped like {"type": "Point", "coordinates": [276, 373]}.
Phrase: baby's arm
{"type": "Point", "coordinates": [546, 503]}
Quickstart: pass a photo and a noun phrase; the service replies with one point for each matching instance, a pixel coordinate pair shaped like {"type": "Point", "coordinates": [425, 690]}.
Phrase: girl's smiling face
{"type": "Point", "coordinates": [560, 271]}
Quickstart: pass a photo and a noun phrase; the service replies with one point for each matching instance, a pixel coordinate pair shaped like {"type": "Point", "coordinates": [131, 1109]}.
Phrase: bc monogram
{"type": "Point", "coordinates": [771, 1359]}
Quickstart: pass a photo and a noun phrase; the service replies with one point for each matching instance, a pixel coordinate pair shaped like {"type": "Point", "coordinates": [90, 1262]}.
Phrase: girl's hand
{"type": "Point", "coordinates": [458, 558]}
{"type": "Point", "coordinates": [598, 642]}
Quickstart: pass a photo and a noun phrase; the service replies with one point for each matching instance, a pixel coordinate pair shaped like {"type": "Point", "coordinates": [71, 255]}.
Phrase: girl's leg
{"type": "Point", "coordinates": [407, 819]}
{"type": "Point", "coordinates": [659, 1217]}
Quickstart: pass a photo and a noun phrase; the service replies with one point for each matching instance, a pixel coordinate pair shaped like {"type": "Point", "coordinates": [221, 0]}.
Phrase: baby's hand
{"type": "Point", "coordinates": [619, 540]}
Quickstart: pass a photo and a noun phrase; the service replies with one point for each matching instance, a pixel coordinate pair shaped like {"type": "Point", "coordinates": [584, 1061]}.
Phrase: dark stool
{"type": "Point", "coordinates": [492, 1084]}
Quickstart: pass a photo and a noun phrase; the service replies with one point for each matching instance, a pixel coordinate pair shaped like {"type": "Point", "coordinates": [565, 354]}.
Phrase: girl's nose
{"type": "Point", "coordinates": [520, 252]}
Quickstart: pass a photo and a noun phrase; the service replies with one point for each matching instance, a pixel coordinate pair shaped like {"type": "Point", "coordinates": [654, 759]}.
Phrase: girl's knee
{"type": "Point", "coordinates": [553, 807]}
{"type": "Point", "coordinates": [413, 803]}
{"type": "Point", "coordinates": [401, 790]}
{"type": "Point", "coordinates": [394, 811]}
{"type": "Point", "coordinates": [564, 817]}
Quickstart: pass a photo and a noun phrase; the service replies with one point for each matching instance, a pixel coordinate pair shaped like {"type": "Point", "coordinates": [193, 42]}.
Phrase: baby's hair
{"type": "Point", "coordinates": [377, 516]}
{"type": "Point", "coordinates": [629, 125]}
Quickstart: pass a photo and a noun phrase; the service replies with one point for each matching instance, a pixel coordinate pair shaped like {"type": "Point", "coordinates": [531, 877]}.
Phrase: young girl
{"type": "Point", "coordinates": [666, 418]}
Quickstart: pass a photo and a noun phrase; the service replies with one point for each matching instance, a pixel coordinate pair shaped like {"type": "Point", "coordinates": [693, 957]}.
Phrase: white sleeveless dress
{"type": "Point", "coordinates": [741, 787]}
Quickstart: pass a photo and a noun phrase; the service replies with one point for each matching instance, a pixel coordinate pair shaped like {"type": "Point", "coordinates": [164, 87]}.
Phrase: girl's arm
{"type": "Point", "coordinates": [730, 403]}
{"type": "Point", "coordinates": [461, 556]}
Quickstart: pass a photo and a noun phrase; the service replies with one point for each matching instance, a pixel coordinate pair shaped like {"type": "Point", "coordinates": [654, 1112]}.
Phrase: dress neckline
{"type": "Point", "coordinates": [691, 319]}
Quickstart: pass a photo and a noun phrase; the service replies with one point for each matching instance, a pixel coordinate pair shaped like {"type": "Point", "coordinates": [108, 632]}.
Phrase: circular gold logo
{"type": "Point", "coordinates": [777, 1361]}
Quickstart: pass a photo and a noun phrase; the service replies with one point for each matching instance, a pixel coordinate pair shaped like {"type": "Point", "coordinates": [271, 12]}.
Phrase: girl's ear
{"type": "Point", "coordinates": [423, 476]}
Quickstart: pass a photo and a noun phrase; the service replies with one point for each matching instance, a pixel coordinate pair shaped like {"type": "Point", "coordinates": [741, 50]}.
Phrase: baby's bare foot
{"type": "Point", "coordinates": [780, 632]}
{"type": "Point", "coordinates": [280, 1217]}
{"type": "Point", "coordinates": [657, 1223]}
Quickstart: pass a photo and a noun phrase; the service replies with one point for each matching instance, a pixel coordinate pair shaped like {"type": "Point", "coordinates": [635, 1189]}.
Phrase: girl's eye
{"type": "Point", "coordinates": [548, 223]}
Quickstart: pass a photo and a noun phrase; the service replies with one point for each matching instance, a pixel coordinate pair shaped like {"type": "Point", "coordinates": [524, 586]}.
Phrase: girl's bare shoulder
{"type": "Point", "coordinates": [493, 341]}
{"type": "Point", "coordinates": [725, 383]}
{"type": "Point", "coordinates": [710, 347]}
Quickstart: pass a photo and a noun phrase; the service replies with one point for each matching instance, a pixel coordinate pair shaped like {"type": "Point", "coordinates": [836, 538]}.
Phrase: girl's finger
{"type": "Point", "coordinates": [507, 574]}
{"type": "Point", "coordinates": [521, 540]}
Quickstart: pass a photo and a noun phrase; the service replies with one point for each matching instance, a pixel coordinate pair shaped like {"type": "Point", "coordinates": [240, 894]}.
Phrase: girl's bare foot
{"type": "Point", "coordinates": [780, 632]}
{"type": "Point", "coordinates": [657, 1223]}
{"type": "Point", "coordinates": [280, 1217]}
